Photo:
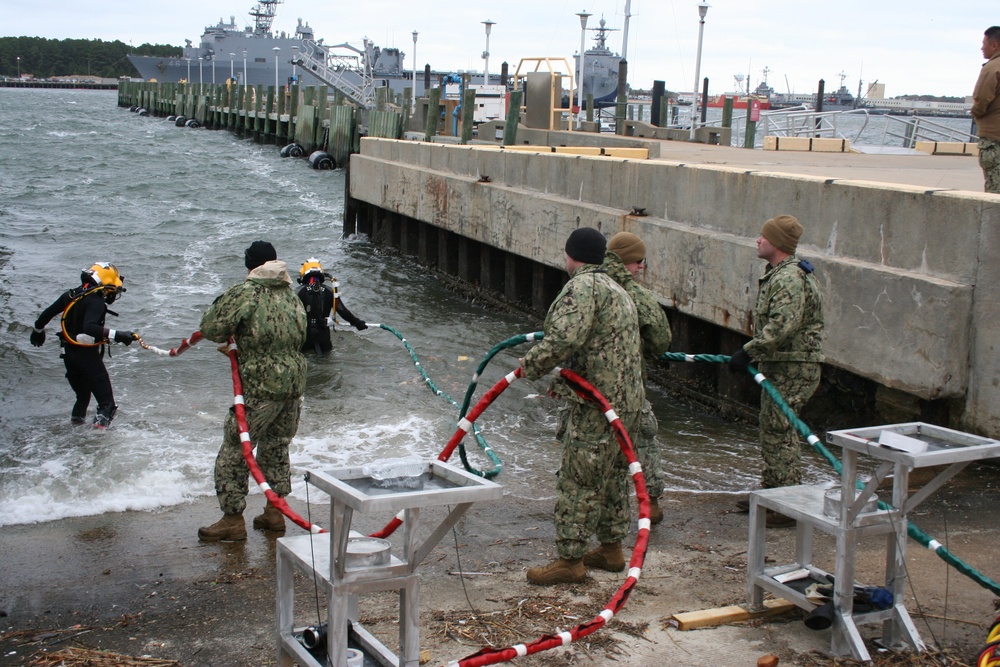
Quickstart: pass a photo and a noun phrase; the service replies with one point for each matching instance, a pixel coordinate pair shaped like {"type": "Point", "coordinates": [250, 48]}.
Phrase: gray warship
{"type": "Point", "coordinates": [600, 64]}
{"type": "Point", "coordinates": [246, 55]}
{"type": "Point", "coordinates": [257, 56]}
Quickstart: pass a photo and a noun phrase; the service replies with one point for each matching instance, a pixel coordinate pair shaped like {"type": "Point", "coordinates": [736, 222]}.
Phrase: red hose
{"type": "Point", "coordinates": [244, 429]}
{"type": "Point", "coordinates": [491, 656]}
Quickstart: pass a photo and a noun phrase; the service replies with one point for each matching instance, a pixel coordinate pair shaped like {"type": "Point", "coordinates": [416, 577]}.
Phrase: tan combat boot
{"type": "Point", "coordinates": [272, 519]}
{"type": "Point", "coordinates": [559, 571]}
{"type": "Point", "coordinates": [229, 528]}
{"type": "Point", "coordinates": [607, 557]}
{"type": "Point", "coordinates": [655, 513]}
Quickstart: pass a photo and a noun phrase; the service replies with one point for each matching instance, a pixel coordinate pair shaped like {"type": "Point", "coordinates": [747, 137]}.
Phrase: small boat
{"type": "Point", "coordinates": [739, 101]}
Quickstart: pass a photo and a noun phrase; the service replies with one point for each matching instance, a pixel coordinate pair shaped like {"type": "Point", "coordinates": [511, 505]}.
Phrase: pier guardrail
{"type": "Point", "coordinates": [911, 129]}
{"type": "Point", "coordinates": [855, 125]}
{"type": "Point", "coordinates": [806, 122]}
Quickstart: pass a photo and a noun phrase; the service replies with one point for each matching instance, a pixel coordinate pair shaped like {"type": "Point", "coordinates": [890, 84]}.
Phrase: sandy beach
{"type": "Point", "coordinates": [141, 584]}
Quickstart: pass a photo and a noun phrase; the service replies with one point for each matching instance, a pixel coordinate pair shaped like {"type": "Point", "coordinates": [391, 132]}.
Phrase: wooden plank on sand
{"type": "Point", "coordinates": [692, 620]}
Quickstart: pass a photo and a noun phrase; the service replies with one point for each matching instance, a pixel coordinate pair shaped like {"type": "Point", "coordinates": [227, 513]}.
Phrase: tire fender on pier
{"type": "Point", "coordinates": [180, 120]}
{"type": "Point", "coordinates": [292, 150]}
{"type": "Point", "coordinates": [322, 160]}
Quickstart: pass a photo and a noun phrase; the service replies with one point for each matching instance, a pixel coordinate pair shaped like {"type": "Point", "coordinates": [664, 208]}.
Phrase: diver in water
{"type": "Point", "coordinates": [320, 300]}
{"type": "Point", "coordinates": [83, 337]}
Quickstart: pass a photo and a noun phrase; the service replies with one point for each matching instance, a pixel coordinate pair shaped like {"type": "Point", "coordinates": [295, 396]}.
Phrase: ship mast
{"type": "Point", "coordinates": [263, 14]}
{"type": "Point", "coordinates": [628, 15]}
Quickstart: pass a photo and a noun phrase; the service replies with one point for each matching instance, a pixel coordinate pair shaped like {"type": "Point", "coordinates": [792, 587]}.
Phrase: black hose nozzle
{"type": "Point", "coordinates": [314, 636]}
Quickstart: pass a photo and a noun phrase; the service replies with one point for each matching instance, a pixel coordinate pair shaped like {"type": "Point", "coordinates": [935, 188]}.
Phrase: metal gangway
{"type": "Point", "coordinates": [313, 59]}
{"type": "Point", "coordinates": [802, 121]}
{"type": "Point", "coordinates": [859, 126]}
{"type": "Point", "coordinates": [911, 129]}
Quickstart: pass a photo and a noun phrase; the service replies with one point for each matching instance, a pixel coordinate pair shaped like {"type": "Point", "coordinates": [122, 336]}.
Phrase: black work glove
{"type": "Point", "coordinates": [739, 361]}
{"type": "Point", "coordinates": [359, 325]}
{"type": "Point", "coordinates": [37, 337]}
{"type": "Point", "coordinates": [124, 337]}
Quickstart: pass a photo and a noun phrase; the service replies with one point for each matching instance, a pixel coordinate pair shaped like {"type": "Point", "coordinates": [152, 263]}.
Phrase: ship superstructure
{"type": "Point", "coordinates": [247, 55]}
{"type": "Point", "coordinates": [600, 65]}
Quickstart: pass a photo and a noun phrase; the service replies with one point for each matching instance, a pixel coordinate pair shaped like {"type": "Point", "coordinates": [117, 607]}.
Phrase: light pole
{"type": "Point", "coordinates": [189, 69]}
{"type": "Point", "coordinates": [579, 83]}
{"type": "Point", "coordinates": [295, 56]}
{"type": "Point", "coordinates": [276, 50]}
{"type": "Point", "coordinates": [702, 10]}
{"type": "Point", "coordinates": [213, 68]}
{"type": "Point", "coordinates": [232, 75]}
{"type": "Point", "coordinates": [201, 80]}
{"type": "Point", "coordinates": [19, 59]}
{"type": "Point", "coordinates": [486, 54]}
{"type": "Point", "coordinates": [244, 67]}
{"type": "Point", "coordinates": [414, 64]}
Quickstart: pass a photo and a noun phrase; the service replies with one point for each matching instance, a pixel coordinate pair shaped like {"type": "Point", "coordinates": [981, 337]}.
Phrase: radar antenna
{"type": "Point", "coordinates": [263, 15]}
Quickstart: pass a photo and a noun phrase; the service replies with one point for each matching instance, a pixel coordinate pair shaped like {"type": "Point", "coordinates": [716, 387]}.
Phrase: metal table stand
{"type": "Point", "coordinates": [805, 504]}
{"type": "Point", "coordinates": [323, 559]}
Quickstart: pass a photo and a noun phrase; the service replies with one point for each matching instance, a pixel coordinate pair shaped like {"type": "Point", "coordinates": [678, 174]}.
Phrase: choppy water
{"type": "Point", "coordinates": [82, 181]}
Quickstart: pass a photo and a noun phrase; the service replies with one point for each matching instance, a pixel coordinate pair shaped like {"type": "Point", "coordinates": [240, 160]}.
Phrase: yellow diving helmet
{"type": "Point", "coordinates": [311, 266]}
{"type": "Point", "coordinates": [106, 275]}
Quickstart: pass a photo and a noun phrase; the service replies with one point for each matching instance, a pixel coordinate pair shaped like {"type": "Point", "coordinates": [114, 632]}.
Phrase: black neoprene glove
{"type": "Point", "coordinates": [37, 337]}
{"type": "Point", "coordinates": [124, 337]}
{"type": "Point", "coordinates": [359, 325]}
{"type": "Point", "coordinates": [739, 361]}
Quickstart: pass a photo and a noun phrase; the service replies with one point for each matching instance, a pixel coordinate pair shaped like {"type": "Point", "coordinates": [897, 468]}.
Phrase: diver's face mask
{"type": "Point", "coordinates": [112, 293]}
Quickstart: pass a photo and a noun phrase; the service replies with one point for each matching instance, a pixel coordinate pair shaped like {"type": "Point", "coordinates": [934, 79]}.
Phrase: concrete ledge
{"type": "Point", "coordinates": [908, 303]}
{"type": "Point", "coordinates": [948, 148]}
{"type": "Point", "coordinates": [831, 145]}
{"type": "Point", "coordinates": [530, 149]}
{"type": "Point", "coordinates": [577, 150]}
{"type": "Point", "coordinates": [631, 153]}
{"type": "Point", "coordinates": [719, 136]}
{"type": "Point", "coordinates": [591, 151]}
{"type": "Point", "coordinates": [816, 144]}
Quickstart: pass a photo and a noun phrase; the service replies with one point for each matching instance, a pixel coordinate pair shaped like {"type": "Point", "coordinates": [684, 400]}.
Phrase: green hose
{"type": "Point", "coordinates": [434, 388]}
{"type": "Point", "coordinates": [912, 529]}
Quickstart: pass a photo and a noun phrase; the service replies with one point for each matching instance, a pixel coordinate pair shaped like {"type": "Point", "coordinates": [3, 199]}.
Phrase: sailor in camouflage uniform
{"type": "Point", "coordinates": [787, 347]}
{"type": "Point", "coordinates": [624, 260]}
{"type": "Point", "coordinates": [268, 321]}
{"type": "Point", "coordinates": [592, 329]}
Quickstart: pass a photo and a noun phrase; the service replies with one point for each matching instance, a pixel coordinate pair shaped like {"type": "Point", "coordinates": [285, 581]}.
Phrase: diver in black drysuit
{"type": "Point", "coordinates": [317, 297]}
{"type": "Point", "coordinates": [84, 355]}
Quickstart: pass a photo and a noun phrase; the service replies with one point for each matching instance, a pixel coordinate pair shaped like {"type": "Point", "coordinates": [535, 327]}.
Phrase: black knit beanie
{"type": "Point", "coordinates": [586, 245]}
{"type": "Point", "coordinates": [258, 253]}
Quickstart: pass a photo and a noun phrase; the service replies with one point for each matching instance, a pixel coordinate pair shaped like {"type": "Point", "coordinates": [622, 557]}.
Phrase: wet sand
{"type": "Point", "coordinates": [141, 584]}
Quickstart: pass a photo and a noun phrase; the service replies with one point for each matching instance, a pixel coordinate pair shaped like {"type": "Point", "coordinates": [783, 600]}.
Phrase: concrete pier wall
{"type": "Point", "coordinates": [911, 287]}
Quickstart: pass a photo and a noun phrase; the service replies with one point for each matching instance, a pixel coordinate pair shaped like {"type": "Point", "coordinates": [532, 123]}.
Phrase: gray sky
{"type": "Point", "coordinates": [912, 46]}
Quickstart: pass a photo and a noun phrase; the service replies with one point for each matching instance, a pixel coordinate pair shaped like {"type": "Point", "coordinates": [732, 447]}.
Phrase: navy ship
{"type": "Point", "coordinates": [600, 64]}
{"type": "Point", "coordinates": [247, 55]}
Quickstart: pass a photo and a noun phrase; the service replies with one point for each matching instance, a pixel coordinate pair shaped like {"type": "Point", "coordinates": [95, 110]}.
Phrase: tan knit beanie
{"type": "Point", "coordinates": [783, 232]}
{"type": "Point", "coordinates": [628, 247]}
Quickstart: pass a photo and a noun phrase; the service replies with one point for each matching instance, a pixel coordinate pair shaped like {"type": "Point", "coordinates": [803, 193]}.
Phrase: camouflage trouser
{"type": "Point", "coordinates": [272, 426]}
{"type": "Point", "coordinates": [592, 491]}
{"type": "Point", "coordinates": [647, 450]}
{"type": "Point", "coordinates": [989, 160]}
{"type": "Point", "coordinates": [779, 441]}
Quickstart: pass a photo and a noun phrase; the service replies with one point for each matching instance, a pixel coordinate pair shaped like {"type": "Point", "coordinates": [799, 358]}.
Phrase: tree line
{"type": "Point", "coordinates": [44, 58]}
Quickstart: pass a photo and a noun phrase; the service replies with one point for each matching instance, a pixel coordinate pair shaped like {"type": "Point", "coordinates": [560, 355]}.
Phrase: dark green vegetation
{"type": "Point", "coordinates": [932, 98]}
{"type": "Point", "coordinates": [43, 58]}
